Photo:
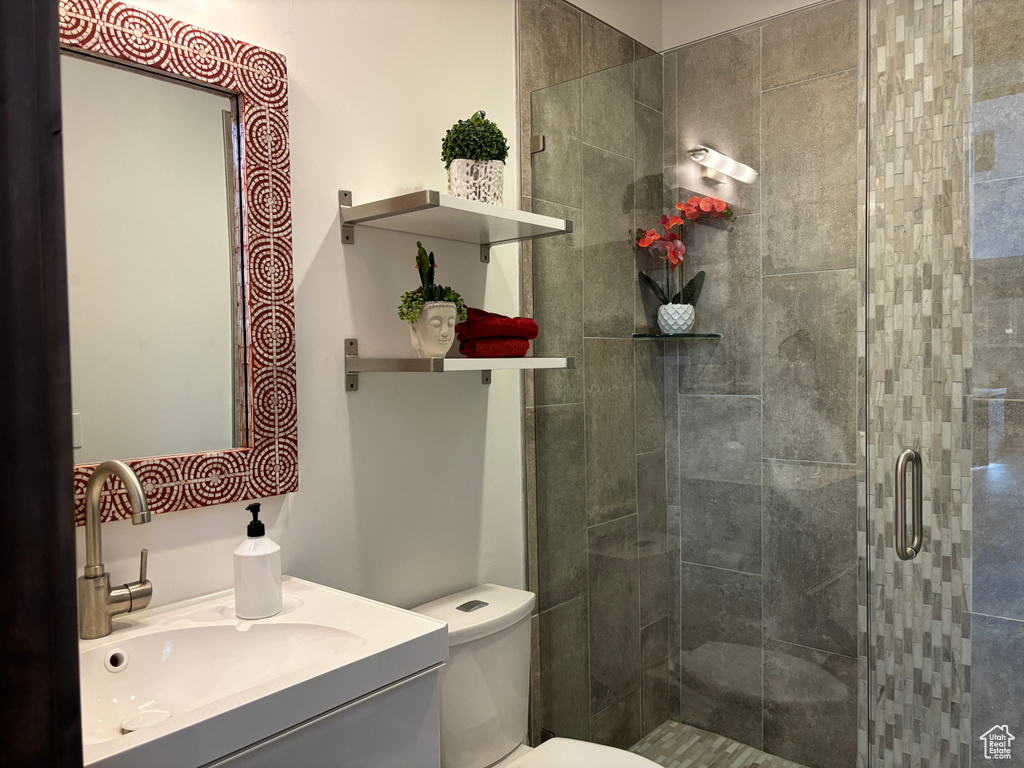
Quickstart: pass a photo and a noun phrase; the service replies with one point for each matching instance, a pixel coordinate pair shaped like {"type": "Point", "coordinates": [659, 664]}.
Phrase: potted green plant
{"type": "Point", "coordinates": [474, 152]}
{"type": "Point", "coordinates": [431, 310]}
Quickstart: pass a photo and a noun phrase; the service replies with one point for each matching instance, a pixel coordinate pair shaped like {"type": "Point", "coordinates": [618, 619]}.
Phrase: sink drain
{"type": "Point", "coordinates": [116, 660]}
{"type": "Point", "coordinates": [144, 719]}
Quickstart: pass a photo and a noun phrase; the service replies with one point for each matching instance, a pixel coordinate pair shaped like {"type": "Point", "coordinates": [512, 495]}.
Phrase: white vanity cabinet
{"type": "Point", "coordinates": [396, 727]}
{"type": "Point", "coordinates": [333, 680]}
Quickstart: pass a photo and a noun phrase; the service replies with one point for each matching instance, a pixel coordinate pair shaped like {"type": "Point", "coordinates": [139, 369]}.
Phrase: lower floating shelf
{"type": "Point", "coordinates": [354, 364]}
{"type": "Point", "coordinates": [677, 335]}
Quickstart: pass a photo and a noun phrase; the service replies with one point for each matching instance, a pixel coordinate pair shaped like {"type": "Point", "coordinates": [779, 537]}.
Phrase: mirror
{"type": "Point", "coordinates": [244, 443]}
{"type": "Point", "coordinates": [150, 202]}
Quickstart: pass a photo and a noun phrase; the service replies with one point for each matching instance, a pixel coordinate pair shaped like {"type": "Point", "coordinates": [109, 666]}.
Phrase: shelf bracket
{"type": "Point", "coordinates": [351, 352]}
{"type": "Point", "coordinates": [348, 232]}
{"type": "Point", "coordinates": [485, 254]}
{"type": "Point", "coordinates": [536, 143]}
{"type": "Point", "coordinates": [485, 377]}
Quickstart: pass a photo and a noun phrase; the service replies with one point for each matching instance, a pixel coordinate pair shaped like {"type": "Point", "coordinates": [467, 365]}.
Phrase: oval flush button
{"type": "Point", "coordinates": [144, 719]}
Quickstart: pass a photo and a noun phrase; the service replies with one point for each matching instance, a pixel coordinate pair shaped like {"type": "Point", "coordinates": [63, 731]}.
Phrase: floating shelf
{"type": "Point", "coordinates": [354, 364]}
{"type": "Point", "coordinates": [432, 214]}
{"type": "Point", "coordinates": [677, 335]}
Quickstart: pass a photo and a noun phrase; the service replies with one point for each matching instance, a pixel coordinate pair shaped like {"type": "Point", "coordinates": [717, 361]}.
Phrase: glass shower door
{"type": "Point", "coordinates": [944, 301]}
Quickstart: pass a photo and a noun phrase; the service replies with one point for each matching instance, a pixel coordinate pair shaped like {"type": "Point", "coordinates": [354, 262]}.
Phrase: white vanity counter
{"type": "Point", "coordinates": [237, 689]}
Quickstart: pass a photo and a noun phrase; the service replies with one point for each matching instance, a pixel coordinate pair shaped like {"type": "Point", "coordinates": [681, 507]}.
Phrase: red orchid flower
{"type": "Point", "coordinates": [669, 221]}
{"type": "Point", "coordinates": [648, 237]}
{"type": "Point", "coordinates": [674, 250]}
{"type": "Point", "coordinates": [720, 205]}
{"type": "Point", "coordinates": [707, 204]}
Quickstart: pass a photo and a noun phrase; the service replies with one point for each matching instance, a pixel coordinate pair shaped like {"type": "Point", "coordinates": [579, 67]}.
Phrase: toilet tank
{"type": "Point", "coordinates": [485, 683]}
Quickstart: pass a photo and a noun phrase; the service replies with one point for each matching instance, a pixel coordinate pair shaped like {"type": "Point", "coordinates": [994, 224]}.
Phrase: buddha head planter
{"type": "Point", "coordinates": [434, 332]}
{"type": "Point", "coordinates": [431, 310]}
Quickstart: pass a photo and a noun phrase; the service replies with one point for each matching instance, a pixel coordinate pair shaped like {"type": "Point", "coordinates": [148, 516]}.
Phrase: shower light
{"type": "Point", "coordinates": [711, 176]}
{"type": "Point", "coordinates": [723, 164]}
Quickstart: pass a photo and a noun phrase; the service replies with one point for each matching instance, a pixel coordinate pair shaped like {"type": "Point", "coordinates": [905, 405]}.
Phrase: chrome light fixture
{"type": "Point", "coordinates": [722, 164]}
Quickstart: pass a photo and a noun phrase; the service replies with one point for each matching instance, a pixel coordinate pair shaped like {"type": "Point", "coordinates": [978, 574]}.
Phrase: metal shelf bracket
{"type": "Point", "coordinates": [351, 352]}
{"type": "Point", "coordinates": [348, 232]}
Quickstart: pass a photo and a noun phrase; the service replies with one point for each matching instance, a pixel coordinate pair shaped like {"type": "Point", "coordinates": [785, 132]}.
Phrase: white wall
{"type": "Point", "coordinates": [410, 488]}
{"type": "Point", "coordinates": [640, 19]}
{"type": "Point", "coordinates": [684, 21]}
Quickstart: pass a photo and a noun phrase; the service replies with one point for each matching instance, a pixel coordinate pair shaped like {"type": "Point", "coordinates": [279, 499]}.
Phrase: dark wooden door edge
{"type": "Point", "coordinates": [40, 721]}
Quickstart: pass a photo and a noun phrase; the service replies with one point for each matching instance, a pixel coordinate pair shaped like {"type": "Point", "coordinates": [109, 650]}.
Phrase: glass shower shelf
{"type": "Point", "coordinates": [677, 335]}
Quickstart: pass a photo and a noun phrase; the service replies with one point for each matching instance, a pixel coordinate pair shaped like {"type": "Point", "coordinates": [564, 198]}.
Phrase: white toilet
{"type": "Point", "coordinates": [485, 688]}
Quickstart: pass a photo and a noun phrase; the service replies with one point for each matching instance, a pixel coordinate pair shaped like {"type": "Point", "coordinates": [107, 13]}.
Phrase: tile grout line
{"type": "Point", "coordinates": [583, 377]}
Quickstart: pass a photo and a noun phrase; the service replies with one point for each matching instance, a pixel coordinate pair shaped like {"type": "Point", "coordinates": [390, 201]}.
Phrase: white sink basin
{"type": "Point", "coordinates": [189, 682]}
{"type": "Point", "coordinates": [145, 679]}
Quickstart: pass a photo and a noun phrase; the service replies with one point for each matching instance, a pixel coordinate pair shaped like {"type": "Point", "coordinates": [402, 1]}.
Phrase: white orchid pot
{"type": "Point", "coordinates": [480, 180]}
{"type": "Point", "coordinates": [434, 331]}
{"type": "Point", "coordinates": [676, 318]}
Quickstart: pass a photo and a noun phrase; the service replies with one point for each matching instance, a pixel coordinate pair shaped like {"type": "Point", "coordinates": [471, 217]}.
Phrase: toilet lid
{"type": "Point", "coordinates": [569, 753]}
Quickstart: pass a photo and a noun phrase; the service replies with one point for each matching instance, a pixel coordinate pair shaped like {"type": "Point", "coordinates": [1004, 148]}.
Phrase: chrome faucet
{"type": "Point", "coordinates": [98, 603]}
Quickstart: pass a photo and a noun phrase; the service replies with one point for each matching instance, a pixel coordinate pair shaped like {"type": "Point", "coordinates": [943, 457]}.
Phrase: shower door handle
{"type": "Point", "coordinates": [910, 458]}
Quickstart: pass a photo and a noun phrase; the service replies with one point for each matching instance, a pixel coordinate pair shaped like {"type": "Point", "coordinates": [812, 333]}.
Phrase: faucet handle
{"type": "Point", "coordinates": [139, 592]}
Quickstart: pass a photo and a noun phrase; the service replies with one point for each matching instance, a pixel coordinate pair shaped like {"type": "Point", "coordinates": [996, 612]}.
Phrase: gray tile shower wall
{"type": "Point", "coordinates": [596, 492]}
{"type": "Point", "coordinates": [760, 625]}
{"type": "Point", "coordinates": [766, 418]}
{"type": "Point", "coordinates": [720, 654]}
{"type": "Point", "coordinates": [997, 547]}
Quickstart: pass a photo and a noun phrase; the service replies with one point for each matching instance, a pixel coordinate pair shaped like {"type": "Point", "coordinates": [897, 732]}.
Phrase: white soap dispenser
{"type": "Point", "coordinates": [257, 572]}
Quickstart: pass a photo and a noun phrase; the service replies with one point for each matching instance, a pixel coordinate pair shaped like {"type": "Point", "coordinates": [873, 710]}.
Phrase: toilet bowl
{"type": "Point", "coordinates": [484, 688]}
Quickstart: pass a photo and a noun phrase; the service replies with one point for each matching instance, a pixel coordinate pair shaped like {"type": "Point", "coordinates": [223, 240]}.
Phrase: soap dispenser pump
{"type": "Point", "coordinates": [257, 572]}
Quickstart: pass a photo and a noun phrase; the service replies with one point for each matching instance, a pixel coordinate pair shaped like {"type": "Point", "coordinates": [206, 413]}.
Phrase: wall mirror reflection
{"type": "Point", "coordinates": [154, 274]}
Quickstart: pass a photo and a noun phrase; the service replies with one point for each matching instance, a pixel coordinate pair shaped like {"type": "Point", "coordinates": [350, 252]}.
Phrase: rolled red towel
{"type": "Point", "coordinates": [480, 324]}
{"type": "Point", "coordinates": [495, 346]}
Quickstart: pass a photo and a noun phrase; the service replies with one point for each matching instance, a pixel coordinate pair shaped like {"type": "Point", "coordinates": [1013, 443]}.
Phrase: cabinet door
{"type": "Point", "coordinates": [396, 727]}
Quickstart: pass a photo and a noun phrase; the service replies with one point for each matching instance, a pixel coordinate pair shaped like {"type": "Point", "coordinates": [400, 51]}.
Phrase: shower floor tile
{"type": "Point", "coordinates": [675, 745]}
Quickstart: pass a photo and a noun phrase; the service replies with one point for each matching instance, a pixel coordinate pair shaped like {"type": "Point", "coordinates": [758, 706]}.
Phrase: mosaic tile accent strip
{"type": "Point", "coordinates": [268, 466]}
{"type": "Point", "coordinates": [919, 352]}
{"type": "Point", "coordinates": [675, 745]}
{"type": "Point", "coordinates": [863, 597]}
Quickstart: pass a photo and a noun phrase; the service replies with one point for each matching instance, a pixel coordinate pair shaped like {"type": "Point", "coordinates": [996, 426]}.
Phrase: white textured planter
{"type": "Point", "coordinates": [480, 180]}
{"type": "Point", "coordinates": [676, 318]}
{"type": "Point", "coordinates": [434, 332]}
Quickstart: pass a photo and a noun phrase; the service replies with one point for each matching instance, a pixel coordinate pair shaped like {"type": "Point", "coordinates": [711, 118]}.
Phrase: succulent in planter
{"type": "Point", "coordinates": [431, 310]}
{"type": "Point", "coordinates": [474, 152]}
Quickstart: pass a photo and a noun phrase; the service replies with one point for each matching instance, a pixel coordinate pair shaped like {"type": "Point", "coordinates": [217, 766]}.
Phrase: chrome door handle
{"type": "Point", "coordinates": [903, 550]}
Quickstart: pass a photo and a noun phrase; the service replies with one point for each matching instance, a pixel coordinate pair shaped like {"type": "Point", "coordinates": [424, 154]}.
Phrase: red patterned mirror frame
{"type": "Point", "coordinates": [268, 465]}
